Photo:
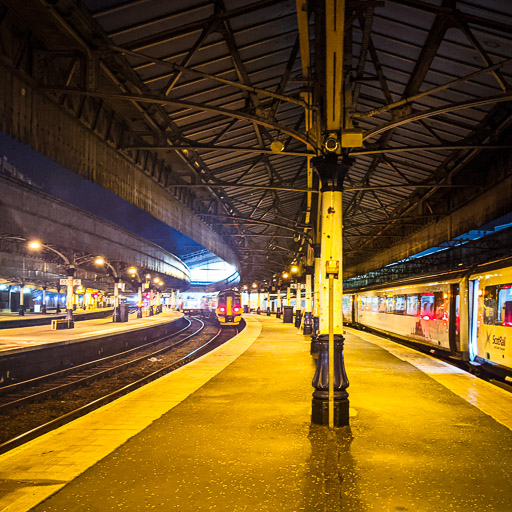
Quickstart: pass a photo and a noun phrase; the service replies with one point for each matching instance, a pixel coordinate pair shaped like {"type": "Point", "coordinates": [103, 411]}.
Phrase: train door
{"type": "Point", "coordinates": [229, 305]}
{"type": "Point", "coordinates": [473, 319]}
{"type": "Point", "coordinates": [454, 320]}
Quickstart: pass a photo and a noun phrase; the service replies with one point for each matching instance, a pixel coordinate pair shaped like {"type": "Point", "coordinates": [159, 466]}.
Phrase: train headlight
{"type": "Point", "coordinates": [222, 309]}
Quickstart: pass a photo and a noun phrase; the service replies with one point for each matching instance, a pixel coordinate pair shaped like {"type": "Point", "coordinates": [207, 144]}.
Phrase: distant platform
{"type": "Point", "coordinates": [28, 338]}
{"type": "Point", "coordinates": [11, 319]}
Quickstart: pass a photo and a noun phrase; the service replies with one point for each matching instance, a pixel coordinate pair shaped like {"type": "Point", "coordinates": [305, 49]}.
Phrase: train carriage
{"type": "Point", "coordinates": [426, 313]}
{"type": "Point", "coordinates": [468, 316]}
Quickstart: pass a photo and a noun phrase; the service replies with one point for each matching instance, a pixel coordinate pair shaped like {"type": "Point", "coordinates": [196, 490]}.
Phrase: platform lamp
{"type": "Point", "coordinates": [36, 245]}
{"type": "Point", "coordinates": [158, 282]}
{"type": "Point", "coordinates": [247, 307]}
{"type": "Point", "coordinates": [149, 295]}
{"type": "Point", "coordinates": [294, 271]}
{"type": "Point", "coordinates": [134, 274]}
{"type": "Point", "coordinates": [100, 261]}
{"type": "Point", "coordinates": [254, 286]}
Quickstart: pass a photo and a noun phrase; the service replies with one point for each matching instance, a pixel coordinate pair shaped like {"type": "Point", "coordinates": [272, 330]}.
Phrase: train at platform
{"type": "Point", "coordinates": [225, 306]}
{"type": "Point", "coordinates": [229, 308]}
{"type": "Point", "coordinates": [465, 316]}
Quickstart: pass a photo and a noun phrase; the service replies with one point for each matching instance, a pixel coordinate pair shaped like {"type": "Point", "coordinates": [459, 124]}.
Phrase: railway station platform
{"type": "Point", "coordinates": [28, 338]}
{"type": "Point", "coordinates": [11, 320]}
{"type": "Point", "coordinates": [231, 432]}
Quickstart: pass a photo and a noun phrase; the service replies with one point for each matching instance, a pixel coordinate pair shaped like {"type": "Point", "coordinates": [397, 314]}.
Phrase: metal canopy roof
{"type": "Point", "coordinates": [222, 80]}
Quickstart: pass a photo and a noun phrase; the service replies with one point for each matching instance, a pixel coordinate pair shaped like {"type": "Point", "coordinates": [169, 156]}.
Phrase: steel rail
{"type": "Point", "coordinates": [16, 387]}
{"type": "Point", "coordinates": [99, 402]}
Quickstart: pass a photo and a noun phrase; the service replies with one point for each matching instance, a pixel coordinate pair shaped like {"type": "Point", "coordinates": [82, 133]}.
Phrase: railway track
{"type": "Point", "coordinates": [31, 408]}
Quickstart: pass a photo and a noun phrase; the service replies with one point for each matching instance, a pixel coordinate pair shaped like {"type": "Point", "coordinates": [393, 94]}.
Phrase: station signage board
{"type": "Point", "coordinates": [76, 282]}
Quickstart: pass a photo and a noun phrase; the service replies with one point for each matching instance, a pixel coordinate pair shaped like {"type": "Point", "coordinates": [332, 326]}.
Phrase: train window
{"type": "Point", "coordinates": [441, 305]}
{"type": "Point", "coordinates": [375, 304]}
{"type": "Point", "coordinates": [490, 305]}
{"type": "Point", "coordinates": [412, 305]}
{"type": "Point", "coordinates": [222, 300]}
{"type": "Point", "coordinates": [427, 306]}
{"type": "Point", "coordinates": [390, 305]}
{"type": "Point", "coordinates": [505, 306]}
{"type": "Point", "coordinates": [382, 304]}
{"type": "Point", "coordinates": [346, 304]}
{"type": "Point", "coordinates": [400, 305]}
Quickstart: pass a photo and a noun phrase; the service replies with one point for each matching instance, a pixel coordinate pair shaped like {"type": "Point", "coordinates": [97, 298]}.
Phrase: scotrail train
{"type": "Point", "coordinates": [466, 316]}
{"type": "Point", "coordinates": [229, 308]}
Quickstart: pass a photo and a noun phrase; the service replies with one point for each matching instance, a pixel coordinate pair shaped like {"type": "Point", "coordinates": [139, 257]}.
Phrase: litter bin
{"type": "Point", "coordinates": [288, 315]}
{"type": "Point", "coordinates": [123, 312]}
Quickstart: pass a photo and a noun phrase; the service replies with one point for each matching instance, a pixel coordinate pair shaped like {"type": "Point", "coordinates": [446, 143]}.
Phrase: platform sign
{"type": "Point", "coordinates": [76, 282]}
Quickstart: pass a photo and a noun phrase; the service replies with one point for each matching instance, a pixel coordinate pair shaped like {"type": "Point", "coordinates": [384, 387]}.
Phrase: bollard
{"type": "Point", "coordinates": [320, 406]}
{"type": "Point", "coordinates": [278, 313]}
{"type": "Point", "coordinates": [308, 323]}
{"type": "Point", "coordinates": [298, 318]}
{"type": "Point", "coordinates": [314, 336]}
{"type": "Point", "coordinates": [268, 311]}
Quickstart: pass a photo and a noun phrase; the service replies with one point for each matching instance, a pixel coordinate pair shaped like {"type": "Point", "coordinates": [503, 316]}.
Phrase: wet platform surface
{"type": "Point", "coordinates": [231, 432]}
{"type": "Point", "coordinates": [27, 338]}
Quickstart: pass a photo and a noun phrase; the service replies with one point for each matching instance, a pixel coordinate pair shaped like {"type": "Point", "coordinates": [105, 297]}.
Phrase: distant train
{"type": "Point", "coordinates": [466, 316]}
{"type": "Point", "coordinates": [229, 308]}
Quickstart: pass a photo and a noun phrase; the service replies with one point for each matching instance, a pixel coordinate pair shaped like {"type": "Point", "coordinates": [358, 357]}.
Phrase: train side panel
{"type": "Point", "coordinates": [418, 312]}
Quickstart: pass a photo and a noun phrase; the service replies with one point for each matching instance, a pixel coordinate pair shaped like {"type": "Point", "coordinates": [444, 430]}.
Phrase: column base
{"type": "Point", "coordinates": [314, 346]}
{"type": "Point", "coordinates": [320, 412]}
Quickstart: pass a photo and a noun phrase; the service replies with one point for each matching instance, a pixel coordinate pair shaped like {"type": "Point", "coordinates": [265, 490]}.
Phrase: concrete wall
{"type": "Point", "coordinates": [32, 118]}
{"type": "Point", "coordinates": [29, 213]}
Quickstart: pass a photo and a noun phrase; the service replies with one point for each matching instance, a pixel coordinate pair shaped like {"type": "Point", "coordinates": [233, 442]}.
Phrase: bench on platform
{"type": "Point", "coordinates": [62, 324]}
